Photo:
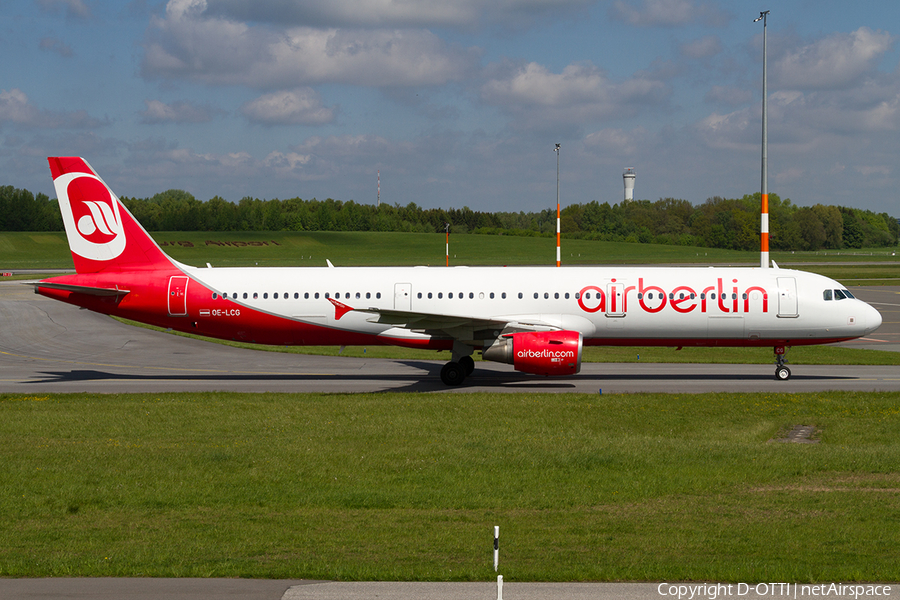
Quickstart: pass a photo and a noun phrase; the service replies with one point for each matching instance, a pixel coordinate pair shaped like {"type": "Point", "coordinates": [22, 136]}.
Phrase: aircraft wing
{"type": "Point", "coordinates": [454, 326]}
{"type": "Point", "coordinates": [459, 327]}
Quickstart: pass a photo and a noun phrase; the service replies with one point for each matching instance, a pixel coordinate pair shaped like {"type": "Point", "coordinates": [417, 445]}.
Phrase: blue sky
{"type": "Point", "coordinates": [456, 103]}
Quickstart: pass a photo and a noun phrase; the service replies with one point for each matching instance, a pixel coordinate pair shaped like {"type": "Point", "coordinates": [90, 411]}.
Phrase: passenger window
{"type": "Point", "coordinates": [245, 295]}
{"type": "Point", "coordinates": [503, 295]}
{"type": "Point", "coordinates": [492, 295]}
{"type": "Point", "coordinates": [450, 295]}
{"type": "Point", "coordinates": [275, 296]}
{"type": "Point", "coordinates": [535, 295]}
{"type": "Point", "coordinates": [378, 295]}
{"type": "Point", "coordinates": [255, 295]}
{"type": "Point", "coordinates": [306, 295]}
{"type": "Point", "coordinates": [368, 295]}
{"type": "Point", "coordinates": [440, 295]}
{"type": "Point", "coordinates": [520, 295]}
{"type": "Point", "coordinates": [429, 295]}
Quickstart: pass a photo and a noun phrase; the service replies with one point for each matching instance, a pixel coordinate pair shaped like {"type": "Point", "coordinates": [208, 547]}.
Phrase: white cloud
{"type": "Point", "coordinates": [616, 142]}
{"type": "Point", "coordinates": [728, 95]}
{"type": "Point", "coordinates": [15, 107]}
{"type": "Point", "coordinates": [389, 13]}
{"type": "Point", "coordinates": [54, 45]}
{"type": "Point", "coordinates": [580, 93]}
{"type": "Point", "coordinates": [176, 112]}
{"type": "Point", "coordinates": [705, 47]}
{"type": "Point", "coordinates": [296, 107]}
{"type": "Point", "coordinates": [667, 13]}
{"type": "Point", "coordinates": [873, 170]}
{"type": "Point", "coordinates": [188, 43]}
{"type": "Point", "coordinates": [73, 8]}
{"type": "Point", "coordinates": [838, 61]}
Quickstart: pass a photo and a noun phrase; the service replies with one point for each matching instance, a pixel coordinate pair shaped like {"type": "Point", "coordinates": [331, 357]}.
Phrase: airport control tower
{"type": "Point", "coordinates": [628, 179]}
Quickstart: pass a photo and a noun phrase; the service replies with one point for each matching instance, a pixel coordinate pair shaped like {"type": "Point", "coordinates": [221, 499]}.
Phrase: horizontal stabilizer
{"type": "Point", "coordinates": [81, 289]}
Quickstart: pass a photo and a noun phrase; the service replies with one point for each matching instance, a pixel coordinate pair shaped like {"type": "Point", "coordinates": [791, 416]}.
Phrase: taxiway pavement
{"type": "Point", "coordinates": [48, 346]}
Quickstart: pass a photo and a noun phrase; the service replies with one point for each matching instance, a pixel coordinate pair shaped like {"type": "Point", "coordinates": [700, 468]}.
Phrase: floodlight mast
{"type": "Point", "coordinates": [764, 176]}
{"type": "Point", "coordinates": [557, 205]}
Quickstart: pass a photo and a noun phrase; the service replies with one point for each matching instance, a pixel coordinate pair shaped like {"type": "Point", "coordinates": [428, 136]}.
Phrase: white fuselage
{"type": "Point", "coordinates": [607, 305]}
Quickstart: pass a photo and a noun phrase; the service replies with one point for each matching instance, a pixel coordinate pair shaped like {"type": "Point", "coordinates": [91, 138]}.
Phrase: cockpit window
{"type": "Point", "coordinates": [848, 294]}
{"type": "Point", "coordinates": [827, 294]}
{"type": "Point", "coordinates": [839, 295]}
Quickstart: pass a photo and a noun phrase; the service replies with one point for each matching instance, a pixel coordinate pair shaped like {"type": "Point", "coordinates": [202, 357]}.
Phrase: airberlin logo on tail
{"type": "Point", "coordinates": [91, 216]}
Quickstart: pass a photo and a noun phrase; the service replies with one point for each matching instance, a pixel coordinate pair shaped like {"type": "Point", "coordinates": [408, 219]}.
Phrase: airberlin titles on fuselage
{"type": "Point", "coordinates": [682, 298]}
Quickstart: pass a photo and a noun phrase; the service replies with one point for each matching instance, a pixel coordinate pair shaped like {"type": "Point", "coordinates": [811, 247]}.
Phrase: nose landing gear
{"type": "Point", "coordinates": [782, 373]}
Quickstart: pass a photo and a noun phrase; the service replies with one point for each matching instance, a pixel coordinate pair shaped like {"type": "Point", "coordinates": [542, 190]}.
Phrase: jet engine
{"type": "Point", "coordinates": [538, 352]}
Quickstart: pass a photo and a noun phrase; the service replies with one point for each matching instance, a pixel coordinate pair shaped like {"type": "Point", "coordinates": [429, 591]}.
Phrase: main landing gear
{"type": "Point", "coordinates": [455, 371]}
{"type": "Point", "coordinates": [782, 373]}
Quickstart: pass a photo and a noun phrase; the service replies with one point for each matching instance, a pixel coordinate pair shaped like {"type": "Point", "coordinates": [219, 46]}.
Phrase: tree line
{"type": "Point", "coordinates": [716, 223]}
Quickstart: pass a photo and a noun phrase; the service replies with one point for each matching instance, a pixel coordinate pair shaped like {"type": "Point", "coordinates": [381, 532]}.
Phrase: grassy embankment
{"type": "Point", "coordinates": [408, 487]}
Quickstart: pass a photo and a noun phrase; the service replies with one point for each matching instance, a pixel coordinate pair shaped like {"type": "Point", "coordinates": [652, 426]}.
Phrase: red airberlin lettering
{"type": "Point", "coordinates": [682, 299]}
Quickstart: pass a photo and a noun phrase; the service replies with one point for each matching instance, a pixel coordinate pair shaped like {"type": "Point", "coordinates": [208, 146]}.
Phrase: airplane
{"type": "Point", "coordinates": [538, 319]}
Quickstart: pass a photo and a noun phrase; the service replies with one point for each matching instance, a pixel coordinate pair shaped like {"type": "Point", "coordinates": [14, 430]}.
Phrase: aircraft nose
{"type": "Point", "coordinates": [873, 318]}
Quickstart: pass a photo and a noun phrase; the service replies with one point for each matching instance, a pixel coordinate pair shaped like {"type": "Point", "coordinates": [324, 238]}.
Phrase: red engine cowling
{"type": "Point", "coordinates": [538, 352]}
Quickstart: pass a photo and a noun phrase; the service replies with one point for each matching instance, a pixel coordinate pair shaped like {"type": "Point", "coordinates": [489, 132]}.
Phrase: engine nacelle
{"type": "Point", "coordinates": [538, 352]}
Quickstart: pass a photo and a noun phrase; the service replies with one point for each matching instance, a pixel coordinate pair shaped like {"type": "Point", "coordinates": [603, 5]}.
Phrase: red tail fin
{"type": "Point", "coordinates": [103, 235]}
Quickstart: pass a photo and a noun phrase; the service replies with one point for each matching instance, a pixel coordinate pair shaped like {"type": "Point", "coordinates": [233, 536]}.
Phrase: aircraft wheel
{"type": "Point", "coordinates": [453, 373]}
{"type": "Point", "coordinates": [468, 364]}
{"type": "Point", "coordinates": [782, 373]}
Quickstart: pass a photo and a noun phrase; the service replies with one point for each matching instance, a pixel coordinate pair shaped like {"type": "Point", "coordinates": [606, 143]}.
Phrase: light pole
{"type": "Point", "coordinates": [764, 185]}
{"type": "Point", "coordinates": [557, 205]}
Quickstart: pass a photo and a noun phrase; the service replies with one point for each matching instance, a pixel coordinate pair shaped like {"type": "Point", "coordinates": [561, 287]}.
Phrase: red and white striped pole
{"type": "Point", "coordinates": [557, 206]}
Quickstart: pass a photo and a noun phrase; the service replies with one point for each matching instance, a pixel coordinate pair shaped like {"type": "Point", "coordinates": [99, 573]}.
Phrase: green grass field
{"type": "Point", "coordinates": [409, 486]}
{"type": "Point", "coordinates": [50, 250]}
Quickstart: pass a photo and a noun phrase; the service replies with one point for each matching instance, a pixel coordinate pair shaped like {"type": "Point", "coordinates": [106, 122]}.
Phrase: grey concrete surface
{"type": "Point", "coordinates": [261, 589]}
{"type": "Point", "coordinates": [48, 346]}
{"type": "Point", "coordinates": [142, 588]}
{"type": "Point", "coordinates": [567, 591]}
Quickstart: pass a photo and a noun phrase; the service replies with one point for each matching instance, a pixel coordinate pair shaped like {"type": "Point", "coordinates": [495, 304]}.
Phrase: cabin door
{"type": "Point", "coordinates": [178, 296]}
{"type": "Point", "coordinates": [787, 297]}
